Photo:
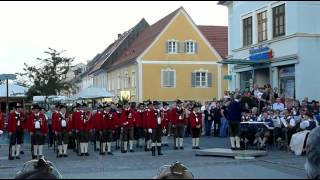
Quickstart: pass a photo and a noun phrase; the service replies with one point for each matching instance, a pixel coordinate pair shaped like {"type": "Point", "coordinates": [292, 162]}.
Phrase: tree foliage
{"type": "Point", "coordinates": [48, 77]}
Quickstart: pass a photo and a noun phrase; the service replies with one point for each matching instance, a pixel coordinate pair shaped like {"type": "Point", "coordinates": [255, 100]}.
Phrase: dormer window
{"type": "Point", "coordinates": [172, 46]}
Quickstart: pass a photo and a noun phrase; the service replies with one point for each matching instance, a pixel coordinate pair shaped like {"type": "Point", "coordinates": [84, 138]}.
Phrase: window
{"type": "Point", "coordinates": [119, 81]}
{"type": "Point", "coordinates": [278, 15]}
{"type": "Point", "coordinates": [262, 26]}
{"type": "Point", "coordinates": [168, 78]}
{"type": "Point", "coordinates": [126, 80]}
{"type": "Point", "coordinates": [133, 79]}
{"type": "Point", "coordinates": [201, 79]}
{"type": "Point", "coordinates": [190, 47]}
{"type": "Point", "coordinates": [247, 31]}
{"type": "Point", "coordinates": [172, 47]}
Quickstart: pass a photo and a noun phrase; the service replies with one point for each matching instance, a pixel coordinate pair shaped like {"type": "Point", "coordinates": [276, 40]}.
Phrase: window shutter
{"type": "Point", "coordinates": [171, 78]}
{"type": "Point", "coordinates": [162, 78]}
{"type": "Point", "coordinates": [193, 79]}
{"type": "Point", "coordinates": [185, 47]}
{"type": "Point", "coordinates": [195, 47]}
{"type": "Point", "coordinates": [177, 46]}
{"type": "Point", "coordinates": [209, 79]}
{"type": "Point", "coordinates": [175, 79]}
{"type": "Point", "coordinates": [181, 45]}
{"type": "Point", "coordinates": [167, 47]}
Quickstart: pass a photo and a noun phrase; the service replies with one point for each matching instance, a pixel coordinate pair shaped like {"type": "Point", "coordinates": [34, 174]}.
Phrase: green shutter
{"type": "Point", "coordinates": [209, 79]}
{"type": "Point", "coordinates": [171, 76]}
{"type": "Point", "coordinates": [167, 47]}
{"type": "Point", "coordinates": [193, 79]}
{"type": "Point", "coordinates": [185, 47]}
{"type": "Point", "coordinates": [195, 47]}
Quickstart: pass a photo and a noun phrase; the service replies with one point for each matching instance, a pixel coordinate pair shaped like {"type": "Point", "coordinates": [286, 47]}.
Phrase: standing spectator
{"type": "Point", "coordinates": [49, 115]}
{"type": "Point", "coordinates": [275, 93]}
{"type": "Point", "coordinates": [217, 119]}
{"type": "Point", "coordinates": [235, 111]}
{"type": "Point", "coordinates": [312, 165]}
{"type": "Point", "coordinates": [208, 118]}
{"type": "Point", "coordinates": [278, 105]}
{"type": "Point", "coordinates": [224, 120]}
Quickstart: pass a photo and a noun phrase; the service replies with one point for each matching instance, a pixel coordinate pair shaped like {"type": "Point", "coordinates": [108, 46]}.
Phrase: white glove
{"type": "Point", "coordinates": [150, 131]}
{"type": "Point", "coordinates": [1, 132]}
{"type": "Point", "coordinates": [164, 131]}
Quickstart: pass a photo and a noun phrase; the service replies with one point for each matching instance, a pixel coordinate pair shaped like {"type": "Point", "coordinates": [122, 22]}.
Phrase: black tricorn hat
{"type": "Point", "coordinates": [149, 103]}
{"type": "Point", "coordinates": [165, 104]}
{"type": "Point", "coordinates": [62, 106]}
{"type": "Point", "coordinates": [18, 105]}
{"type": "Point", "coordinates": [77, 105]}
{"type": "Point", "coordinates": [141, 104]}
{"type": "Point", "coordinates": [84, 105]}
{"type": "Point", "coordinates": [156, 103]}
{"type": "Point", "coordinates": [35, 106]}
{"type": "Point", "coordinates": [119, 105]}
{"type": "Point", "coordinates": [179, 101]}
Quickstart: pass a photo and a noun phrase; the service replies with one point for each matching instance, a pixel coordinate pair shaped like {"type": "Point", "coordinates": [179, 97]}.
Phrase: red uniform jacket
{"type": "Point", "coordinates": [16, 121]}
{"type": "Point", "coordinates": [97, 121]}
{"type": "Point", "coordinates": [109, 120]}
{"type": "Point", "coordinates": [166, 117]}
{"type": "Point", "coordinates": [138, 115]}
{"type": "Point", "coordinates": [41, 118]}
{"type": "Point", "coordinates": [57, 122]}
{"type": "Point", "coordinates": [178, 116]}
{"type": "Point", "coordinates": [127, 119]}
{"type": "Point", "coordinates": [152, 119]}
{"type": "Point", "coordinates": [1, 121]}
{"type": "Point", "coordinates": [195, 120]}
{"type": "Point", "coordinates": [120, 117]}
{"type": "Point", "coordinates": [82, 120]}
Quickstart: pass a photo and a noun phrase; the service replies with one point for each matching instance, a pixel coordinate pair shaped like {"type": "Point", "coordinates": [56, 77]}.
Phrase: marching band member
{"type": "Point", "coordinates": [155, 126]}
{"type": "Point", "coordinates": [83, 126]}
{"type": "Point", "coordinates": [145, 123]}
{"type": "Point", "coordinates": [62, 126]}
{"type": "Point", "coordinates": [97, 126]}
{"type": "Point", "coordinates": [179, 122]}
{"type": "Point", "coordinates": [38, 129]}
{"type": "Point", "coordinates": [16, 126]}
{"type": "Point", "coordinates": [196, 125]}
{"type": "Point", "coordinates": [127, 124]}
{"type": "Point", "coordinates": [166, 120]}
{"type": "Point", "coordinates": [109, 122]}
{"type": "Point", "coordinates": [139, 123]}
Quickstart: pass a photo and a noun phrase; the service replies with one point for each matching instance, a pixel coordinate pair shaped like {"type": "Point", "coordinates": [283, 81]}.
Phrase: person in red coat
{"type": "Point", "coordinates": [38, 128]}
{"type": "Point", "coordinates": [166, 112]}
{"type": "Point", "coordinates": [139, 124]}
{"type": "Point", "coordinates": [97, 118]}
{"type": "Point", "coordinates": [16, 126]}
{"type": "Point", "coordinates": [82, 124]}
{"type": "Point", "coordinates": [108, 127]}
{"type": "Point", "coordinates": [97, 126]}
{"type": "Point", "coordinates": [196, 125]}
{"type": "Point", "coordinates": [1, 122]}
{"type": "Point", "coordinates": [62, 127]}
{"type": "Point", "coordinates": [118, 119]}
{"type": "Point", "coordinates": [178, 123]}
{"type": "Point", "coordinates": [146, 116]}
{"type": "Point", "coordinates": [155, 127]}
{"type": "Point", "coordinates": [127, 128]}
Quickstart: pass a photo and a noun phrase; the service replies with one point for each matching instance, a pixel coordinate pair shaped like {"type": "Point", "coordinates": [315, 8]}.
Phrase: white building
{"type": "Point", "coordinates": [283, 40]}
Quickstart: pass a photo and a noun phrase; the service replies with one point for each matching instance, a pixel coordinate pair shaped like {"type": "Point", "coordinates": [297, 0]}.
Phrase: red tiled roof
{"type": "Point", "coordinates": [218, 38]}
{"type": "Point", "coordinates": [144, 39]}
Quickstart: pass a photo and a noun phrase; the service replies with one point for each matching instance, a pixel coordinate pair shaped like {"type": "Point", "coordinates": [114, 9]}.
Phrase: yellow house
{"type": "Point", "coordinates": [172, 59]}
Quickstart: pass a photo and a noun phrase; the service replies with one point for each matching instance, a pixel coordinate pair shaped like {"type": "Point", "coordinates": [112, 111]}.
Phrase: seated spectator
{"type": "Point", "coordinates": [174, 171]}
{"type": "Point", "coordinates": [39, 169]}
{"type": "Point", "coordinates": [263, 134]}
{"type": "Point", "coordinates": [312, 165]}
{"type": "Point", "coordinates": [278, 105]}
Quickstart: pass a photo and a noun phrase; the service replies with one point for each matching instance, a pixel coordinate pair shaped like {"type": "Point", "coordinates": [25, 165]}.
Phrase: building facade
{"type": "Point", "coordinates": [172, 59]}
{"type": "Point", "coordinates": [280, 41]}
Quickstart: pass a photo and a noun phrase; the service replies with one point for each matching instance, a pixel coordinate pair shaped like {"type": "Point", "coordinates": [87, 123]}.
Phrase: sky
{"type": "Point", "coordinates": [83, 28]}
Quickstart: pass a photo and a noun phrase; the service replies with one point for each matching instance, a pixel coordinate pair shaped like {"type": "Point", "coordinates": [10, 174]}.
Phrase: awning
{"type": "Point", "coordinates": [244, 61]}
{"type": "Point", "coordinates": [93, 93]}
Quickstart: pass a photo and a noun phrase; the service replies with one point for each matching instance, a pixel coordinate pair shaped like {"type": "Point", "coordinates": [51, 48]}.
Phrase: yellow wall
{"type": "Point", "coordinates": [180, 30]}
{"type": "Point", "coordinates": [122, 71]}
{"type": "Point", "coordinates": [152, 83]}
{"type": "Point", "coordinates": [224, 71]}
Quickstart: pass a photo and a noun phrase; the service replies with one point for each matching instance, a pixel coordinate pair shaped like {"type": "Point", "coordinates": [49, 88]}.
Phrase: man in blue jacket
{"type": "Point", "coordinates": [235, 111]}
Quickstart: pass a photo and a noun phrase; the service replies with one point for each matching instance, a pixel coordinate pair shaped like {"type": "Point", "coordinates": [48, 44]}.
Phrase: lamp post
{"type": "Point", "coordinates": [7, 77]}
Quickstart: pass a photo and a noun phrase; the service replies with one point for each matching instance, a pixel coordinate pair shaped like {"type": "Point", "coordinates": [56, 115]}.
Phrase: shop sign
{"type": "Point", "coordinates": [286, 71]}
{"type": "Point", "coordinates": [260, 53]}
{"type": "Point", "coordinates": [227, 77]}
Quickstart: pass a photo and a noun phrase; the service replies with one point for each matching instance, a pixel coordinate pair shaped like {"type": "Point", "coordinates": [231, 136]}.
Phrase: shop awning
{"type": "Point", "coordinates": [244, 61]}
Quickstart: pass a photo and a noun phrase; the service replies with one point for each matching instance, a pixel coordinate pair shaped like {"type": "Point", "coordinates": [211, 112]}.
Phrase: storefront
{"type": "Point", "coordinates": [287, 81]}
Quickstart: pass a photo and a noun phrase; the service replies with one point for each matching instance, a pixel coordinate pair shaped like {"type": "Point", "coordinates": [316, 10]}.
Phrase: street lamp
{"type": "Point", "coordinates": [7, 77]}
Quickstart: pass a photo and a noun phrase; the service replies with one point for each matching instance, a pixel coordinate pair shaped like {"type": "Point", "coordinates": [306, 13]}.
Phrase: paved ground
{"type": "Point", "coordinates": [277, 164]}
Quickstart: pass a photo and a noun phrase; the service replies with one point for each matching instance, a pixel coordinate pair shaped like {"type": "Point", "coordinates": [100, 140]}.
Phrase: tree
{"type": "Point", "coordinates": [48, 77]}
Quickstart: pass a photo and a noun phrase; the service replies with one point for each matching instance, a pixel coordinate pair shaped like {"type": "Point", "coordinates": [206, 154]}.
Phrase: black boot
{"type": "Point", "coordinates": [159, 151]}
{"type": "Point", "coordinates": [153, 151]}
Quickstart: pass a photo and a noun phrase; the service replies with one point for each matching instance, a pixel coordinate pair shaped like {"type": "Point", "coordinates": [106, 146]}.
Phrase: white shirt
{"type": "Point", "coordinates": [278, 106]}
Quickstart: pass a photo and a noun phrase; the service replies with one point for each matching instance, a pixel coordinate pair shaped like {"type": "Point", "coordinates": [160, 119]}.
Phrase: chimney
{"type": "Point", "coordinates": [119, 36]}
